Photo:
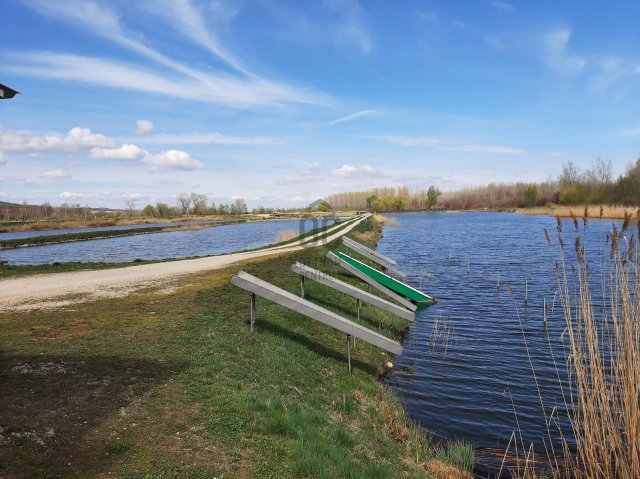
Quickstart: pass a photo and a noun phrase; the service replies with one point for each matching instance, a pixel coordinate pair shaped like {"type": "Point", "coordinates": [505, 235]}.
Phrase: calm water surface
{"type": "Point", "coordinates": [176, 244]}
{"type": "Point", "coordinates": [32, 234]}
{"type": "Point", "coordinates": [465, 369]}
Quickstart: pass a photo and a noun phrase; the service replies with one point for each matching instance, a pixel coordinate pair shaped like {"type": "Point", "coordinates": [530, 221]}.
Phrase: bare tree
{"type": "Point", "coordinates": [184, 201]}
{"type": "Point", "coordinates": [240, 206]}
{"type": "Point", "coordinates": [199, 202]}
{"type": "Point", "coordinates": [130, 205]}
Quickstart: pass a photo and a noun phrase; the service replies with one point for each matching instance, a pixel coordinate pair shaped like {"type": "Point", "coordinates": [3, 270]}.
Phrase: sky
{"type": "Point", "coordinates": [282, 102]}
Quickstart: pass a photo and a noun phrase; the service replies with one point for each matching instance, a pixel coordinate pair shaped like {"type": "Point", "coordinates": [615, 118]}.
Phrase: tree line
{"type": "Point", "coordinates": [385, 199]}
{"type": "Point", "coordinates": [195, 204]}
{"type": "Point", "coordinates": [573, 186]}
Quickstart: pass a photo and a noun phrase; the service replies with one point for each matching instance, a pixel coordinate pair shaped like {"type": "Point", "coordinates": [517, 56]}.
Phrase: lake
{"type": "Point", "coordinates": [464, 372]}
{"type": "Point", "coordinates": [35, 233]}
{"type": "Point", "coordinates": [175, 244]}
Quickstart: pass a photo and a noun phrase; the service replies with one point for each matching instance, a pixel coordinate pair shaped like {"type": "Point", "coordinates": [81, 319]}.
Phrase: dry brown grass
{"type": "Point", "coordinates": [386, 220]}
{"type": "Point", "coordinates": [594, 211]}
{"type": "Point", "coordinates": [602, 351]}
{"type": "Point", "coordinates": [286, 235]}
{"type": "Point", "coordinates": [442, 470]}
{"type": "Point", "coordinates": [604, 365]}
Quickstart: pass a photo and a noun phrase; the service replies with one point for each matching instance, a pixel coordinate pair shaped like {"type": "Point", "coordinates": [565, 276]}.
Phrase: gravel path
{"type": "Point", "coordinates": [49, 290]}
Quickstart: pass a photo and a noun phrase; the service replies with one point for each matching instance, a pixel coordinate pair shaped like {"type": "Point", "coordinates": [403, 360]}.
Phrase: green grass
{"type": "Point", "coordinates": [174, 385]}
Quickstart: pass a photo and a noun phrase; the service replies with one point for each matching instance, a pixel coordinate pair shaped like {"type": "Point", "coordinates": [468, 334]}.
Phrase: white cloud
{"type": "Point", "coordinates": [54, 175]}
{"type": "Point", "coordinates": [556, 53]}
{"type": "Point", "coordinates": [4, 194]}
{"type": "Point", "coordinates": [170, 159]}
{"type": "Point", "coordinates": [410, 141]}
{"type": "Point", "coordinates": [3, 160]}
{"type": "Point", "coordinates": [68, 195]}
{"type": "Point", "coordinates": [350, 171]}
{"type": "Point", "coordinates": [632, 132]}
{"type": "Point", "coordinates": [173, 159]}
{"type": "Point", "coordinates": [502, 6]}
{"type": "Point", "coordinates": [74, 141]}
{"type": "Point", "coordinates": [144, 127]}
{"type": "Point", "coordinates": [315, 166]}
{"type": "Point", "coordinates": [354, 116]}
{"type": "Point", "coordinates": [126, 152]}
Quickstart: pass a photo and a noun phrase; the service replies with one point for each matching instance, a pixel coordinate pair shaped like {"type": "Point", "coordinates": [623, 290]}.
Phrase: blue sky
{"type": "Point", "coordinates": [281, 102]}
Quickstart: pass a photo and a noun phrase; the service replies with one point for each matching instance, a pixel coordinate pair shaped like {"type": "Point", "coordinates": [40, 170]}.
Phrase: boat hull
{"type": "Point", "coordinates": [393, 284]}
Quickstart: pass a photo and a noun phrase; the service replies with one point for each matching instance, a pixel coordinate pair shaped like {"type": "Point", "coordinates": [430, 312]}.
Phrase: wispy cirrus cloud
{"type": "Point", "coordinates": [502, 6]}
{"type": "Point", "coordinates": [56, 174]}
{"type": "Point", "coordinates": [99, 20]}
{"type": "Point", "coordinates": [211, 137]}
{"type": "Point", "coordinates": [218, 89]}
{"type": "Point", "coordinates": [412, 141]}
{"type": "Point", "coordinates": [188, 19]}
{"type": "Point", "coordinates": [556, 54]}
{"type": "Point", "coordinates": [352, 27]}
{"type": "Point", "coordinates": [501, 150]}
{"type": "Point", "coordinates": [355, 116]}
{"type": "Point", "coordinates": [448, 145]}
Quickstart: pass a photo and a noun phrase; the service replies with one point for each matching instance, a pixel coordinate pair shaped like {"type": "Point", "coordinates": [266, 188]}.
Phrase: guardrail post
{"type": "Point", "coordinates": [349, 352]}
{"type": "Point", "coordinates": [302, 286]}
{"type": "Point", "coordinates": [253, 310]}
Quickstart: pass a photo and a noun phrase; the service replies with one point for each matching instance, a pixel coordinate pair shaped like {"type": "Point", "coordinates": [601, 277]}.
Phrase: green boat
{"type": "Point", "coordinates": [393, 284]}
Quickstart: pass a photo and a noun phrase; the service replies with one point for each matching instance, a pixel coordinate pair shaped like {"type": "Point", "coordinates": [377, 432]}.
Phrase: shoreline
{"type": "Point", "coordinates": [203, 380]}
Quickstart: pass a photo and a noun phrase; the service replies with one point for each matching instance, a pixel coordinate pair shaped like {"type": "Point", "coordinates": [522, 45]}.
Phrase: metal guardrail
{"type": "Point", "coordinates": [355, 244]}
{"type": "Point", "coordinates": [359, 274]}
{"type": "Point", "coordinates": [346, 288]}
{"type": "Point", "coordinates": [367, 253]}
{"type": "Point", "coordinates": [261, 288]}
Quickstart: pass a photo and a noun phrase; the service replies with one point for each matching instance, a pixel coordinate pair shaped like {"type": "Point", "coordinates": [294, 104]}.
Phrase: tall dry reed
{"type": "Point", "coordinates": [286, 235]}
{"type": "Point", "coordinates": [602, 341]}
{"type": "Point", "coordinates": [605, 211]}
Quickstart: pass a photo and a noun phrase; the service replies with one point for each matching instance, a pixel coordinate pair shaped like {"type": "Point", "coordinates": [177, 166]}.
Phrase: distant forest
{"type": "Point", "coordinates": [595, 185]}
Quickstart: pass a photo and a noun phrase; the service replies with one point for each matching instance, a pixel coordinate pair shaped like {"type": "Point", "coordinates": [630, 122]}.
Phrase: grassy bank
{"type": "Point", "coordinates": [170, 383]}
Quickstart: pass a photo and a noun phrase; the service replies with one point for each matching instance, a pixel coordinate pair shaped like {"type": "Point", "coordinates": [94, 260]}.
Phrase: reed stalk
{"type": "Point", "coordinates": [603, 362]}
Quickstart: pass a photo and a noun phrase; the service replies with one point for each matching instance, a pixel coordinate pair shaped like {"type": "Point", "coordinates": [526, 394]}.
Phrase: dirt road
{"type": "Point", "coordinates": [56, 290]}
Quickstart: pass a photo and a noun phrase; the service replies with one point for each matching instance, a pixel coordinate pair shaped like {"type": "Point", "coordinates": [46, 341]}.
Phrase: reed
{"type": "Point", "coordinates": [286, 235]}
{"type": "Point", "coordinates": [386, 220]}
{"type": "Point", "coordinates": [603, 361]}
{"type": "Point", "coordinates": [605, 211]}
{"type": "Point", "coordinates": [602, 352]}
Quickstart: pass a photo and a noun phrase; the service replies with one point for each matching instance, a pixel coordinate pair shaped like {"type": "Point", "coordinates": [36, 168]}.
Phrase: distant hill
{"type": "Point", "coordinates": [11, 206]}
{"type": "Point", "coordinates": [6, 204]}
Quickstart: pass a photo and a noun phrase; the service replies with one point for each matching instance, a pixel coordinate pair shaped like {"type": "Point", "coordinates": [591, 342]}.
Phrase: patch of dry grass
{"type": "Point", "coordinates": [286, 235]}
{"type": "Point", "coordinates": [594, 211]}
{"type": "Point", "coordinates": [386, 220]}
